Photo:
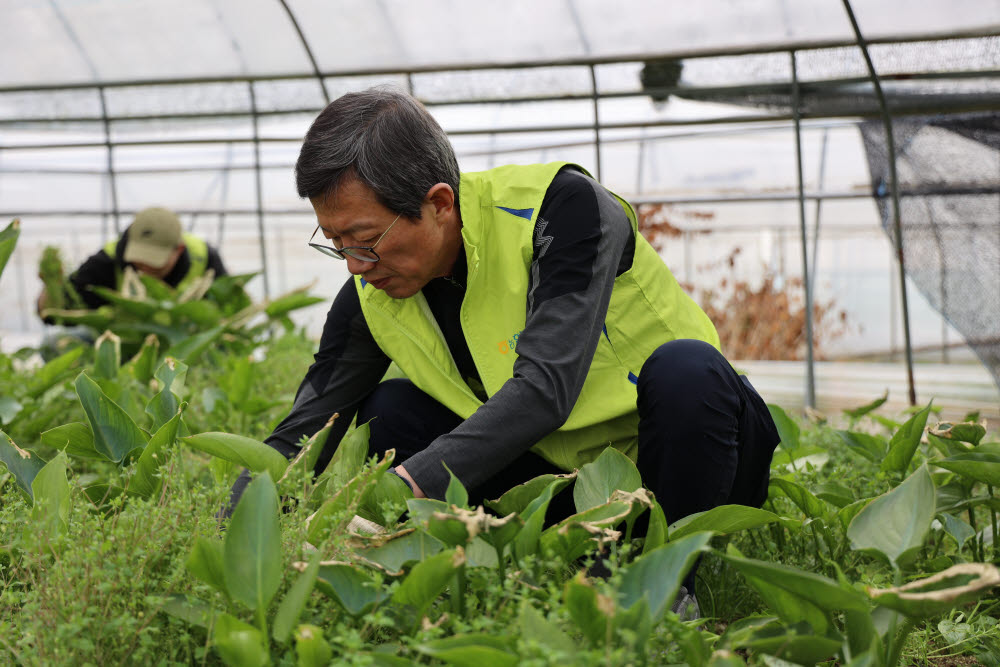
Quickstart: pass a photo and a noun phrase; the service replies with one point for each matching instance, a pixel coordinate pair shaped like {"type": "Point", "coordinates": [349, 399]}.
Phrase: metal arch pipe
{"type": "Point", "coordinates": [806, 283]}
{"type": "Point", "coordinates": [259, 193]}
{"type": "Point", "coordinates": [309, 53]}
{"type": "Point", "coordinates": [894, 192]}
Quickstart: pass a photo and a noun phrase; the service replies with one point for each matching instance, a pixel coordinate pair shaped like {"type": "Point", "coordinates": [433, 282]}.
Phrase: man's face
{"type": "Point", "coordinates": [412, 253]}
{"type": "Point", "coordinates": [160, 272]}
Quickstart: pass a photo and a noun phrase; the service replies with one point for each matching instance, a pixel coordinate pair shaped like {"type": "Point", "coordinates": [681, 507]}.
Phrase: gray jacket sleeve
{"type": "Point", "coordinates": [577, 250]}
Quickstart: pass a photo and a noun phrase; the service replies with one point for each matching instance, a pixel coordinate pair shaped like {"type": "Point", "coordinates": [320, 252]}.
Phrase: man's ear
{"type": "Point", "coordinates": [442, 198]}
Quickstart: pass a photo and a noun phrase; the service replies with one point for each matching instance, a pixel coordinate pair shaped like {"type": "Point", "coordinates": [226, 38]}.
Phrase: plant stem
{"type": "Point", "coordinates": [898, 642]}
{"type": "Point", "coordinates": [993, 518]}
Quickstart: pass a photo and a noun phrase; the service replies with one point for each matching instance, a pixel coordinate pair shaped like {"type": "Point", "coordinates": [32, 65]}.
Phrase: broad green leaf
{"type": "Point", "coordinates": [959, 530]}
{"type": "Point", "coordinates": [834, 493]}
{"type": "Point", "coordinates": [938, 593]}
{"type": "Point", "coordinates": [473, 651]}
{"type": "Point", "coordinates": [334, 514]}
{"type": "Point", "coordinates": [970, 433]}
{"type": "Point", "coordinates": [292, 301]}
{"type": "Point", "coordinates": [597, 480]}
{"type": "Point", "coordinates": [107, 356]}
{"type": "Point", "coordinates": [146, 482]}
{"type": "Point", "coordinates": [190, 348]}
{"type": "Point", "coordinates": [847, 513]}
{"type": "Point", "coordinates": [858, 413]}
{"type": "Point", "coordinates": [51, 493]}
{"type": "Point", "coordinates": [240, 644]}
{"type": "Point", "coordinates": [896, 523]}
{"type": "Point", "coordinates": [904, 443]}
{"type": "Point", "coordinates": [170, 375]}
{"type": "Point", "coordinates": [115, 434]}
{"type": "Point", "coordinates": [21, 463]}
{"type": "Point", "coordinates": [246, 452]}
{"type": "Point", "coordinates": [207, 563]}
{"type": "Point", "coordinates": [657, 576]}
{"type": "Point", "coordinates": [295, 601]}
{"type": "Point", "coordinates": [519, 497]}
{"type": "Point", "coordinates": [202, 312]}
{"type": "Point", "coordinates": [53, 371]}
{"type": "Point", "coordinates": [347, 460]}
{"type": "Point", "coordinates": [788, 430]}
{"type": "Point", "coordinates": [815, 455]}
{"type": "Point", "coordinates": [456, 493]}
{"type": "Point", "coordinates": [238, 382]}
{"type": "Point", "coordinates": [534, 626]}
{"type": "Point", "coordinates": [75, 438]}
{"type": "Point", "coordinates": [143, 364]}
{"type": "Point", "coordinates": [980, 466]}
{"type": "Point", "coordinates": [427, 580]}
{"type": "Point", "coordinates": [139, 306]}
{"type": "Point", "coordinates": [9, 409]}
{"type": "Point", "coordinates": [810, 505]}
{"type": "Point", "coordinates": [389, 495]}
{"type": "Point", "coordinates": [349, 586]}
{"type": "Point", "coordinates": [253, 545]}
{"type": "Point", "coordinates": [310, 647]}
{"type": "Point", "coordinates": [637, 621]}
{"type": "Point", "coordinates": [308, 455]}
{"type": "Point", "coordinates": [657, 532]}
{"type": "Point", "coordinates": [8, 239]}
{"type": "Point", "coordinates": [394, 552]}
{"type": "Point", "coordinates": [872, 447]}
{"type": "Point", "coordinates": [384, 659]}
{"type": "Point", "coordinates": [591, 611]}
{"type": "Point", "coordinates": [192, 611]}
{"type": "Point", "coordinates": [526, 541]}
{"type": "Point", "coordinates": [725, 519]}
{"type": "Point", "coordinates": [794, 645]}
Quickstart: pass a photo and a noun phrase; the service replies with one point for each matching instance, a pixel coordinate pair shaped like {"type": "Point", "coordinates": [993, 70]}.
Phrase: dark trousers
{"type": "Point", "coordinates": [705, 435]}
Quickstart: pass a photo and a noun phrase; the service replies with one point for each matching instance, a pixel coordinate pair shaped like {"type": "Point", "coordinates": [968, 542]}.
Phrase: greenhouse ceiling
{"type": "Point", "coordinates": [57, 43]}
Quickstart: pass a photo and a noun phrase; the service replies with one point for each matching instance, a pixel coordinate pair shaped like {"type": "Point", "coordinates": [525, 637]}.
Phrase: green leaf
{"type": "Point", "coordinates": [107, 356]}
{"type": "Point", "coordinates": [896, 523]}
{"type": "Point", "coordinates": [834, 493]}
{"type": "Point", "coordinates": [171, 375]}
{"type": "Point", "coordinates": [143, 364]}
{"type": "Point", "coordinates": [75, 438]}
{"type": "Point", "coordinates": [9, 409]}
{"type": "Point", "coordinates": [795, 645]}
{"type": "Point", "coordinates": [202, 312]}
{"type": "Point", "coordinates": [980, 466]}
{"type": "Point", "coordinates": [456, 493]}
{"type": "Point", "coordinates": [349, 586]}
{"type": "Point", "coordinates": [788, 430]}
{"type": "Point", "coordinates": [657, 532]}
{"type": "Point", "coordinates": [904, 443]}
{"type": "Point", "coordinates": [310, 647]}
{"type": "Point", "coordinates": [526, 541]}
{"type": "Point", "coordinates": [591, 611]}
{"type": "Point", "coordinates": [970, 433]}
{"type": "Point", "coordinates": [535, 627]}
{"type": "Point", "coordinates": [959, 530]}
{"type": "Point", "coordinates": [872, 447]}
{"type": "Point", "coordinates": [336, 512]}
{"type": "Point", "coordinates": [308, 456]}
{"type": "Point", "coordinates": [52, 372]}
{"type": "Point", "coordinates": [21, 463]}
{"type": "Point", "coordinates": [656, 576]}
{"type": "Point", "coordinates": [519, 497]}
{"type": "Point", "coordinates": [240, 644]}
{"type": "Point", "coordinates": [295, 601]}
{"type": "Point", "coordinates": [346, 462]}
{"type": "Point", "coordinates": [51, 493]}
{"type": "Point", "coordinates": [725, 519]}
{"type": "Point", "coordinates": [858, 413]}
{"type": "Point", "coordinates": [286, 303]}
{"type": "Point", "coordinates": [207, 563]}
{"type": "Point", "coordinates": [189, 349]}
{"type": "Point", "coordinates": [253, 546]}
{"type": "Point", "coordinates": [597, 480]}
{"type": "Point", "coordinates": [810, 505]}
{"type": "Point", "coordinates": [386, 501]}
{"type": "Point", "coordinates": [192, 611]}
{"type": "Point", "coordinates": [472, 651]}
{"type": "Point", "coordinates": [146, 482]}
{"type": "Point", "coordinates": [246, 452]}
{"type": "Point", "coordinates": [941, 592]}
{"type": "Point", "coordinates": [392, 553]}
{"type": "Point", "coordinates": [8, 239]}
{"type": "Point", "coordinates": [115, 434]}
{"type": "Point", "coordinates": [427, 580]}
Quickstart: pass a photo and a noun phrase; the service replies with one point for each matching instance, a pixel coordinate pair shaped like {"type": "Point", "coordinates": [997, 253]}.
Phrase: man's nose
{"type": "Point", "coordinates": [356, 266]}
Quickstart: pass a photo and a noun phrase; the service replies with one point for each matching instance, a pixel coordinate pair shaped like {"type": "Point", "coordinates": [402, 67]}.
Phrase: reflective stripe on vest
{"type": "Point", "coordinates": [499, 208]}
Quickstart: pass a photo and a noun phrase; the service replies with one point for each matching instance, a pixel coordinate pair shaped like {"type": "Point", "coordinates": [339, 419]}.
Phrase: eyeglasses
{"type": "Point", "coordinates": [360, 253]}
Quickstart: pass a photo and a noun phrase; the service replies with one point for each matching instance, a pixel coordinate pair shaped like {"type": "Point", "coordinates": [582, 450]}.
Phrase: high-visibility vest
{"type": "Point", "coordinates": [648, 307]}
{"type": "Point", "coordinates": [197, 251]}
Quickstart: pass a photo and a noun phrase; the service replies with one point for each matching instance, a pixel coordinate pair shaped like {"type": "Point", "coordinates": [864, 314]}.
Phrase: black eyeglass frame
{"type": "Point", "coordinates": [344, 253]}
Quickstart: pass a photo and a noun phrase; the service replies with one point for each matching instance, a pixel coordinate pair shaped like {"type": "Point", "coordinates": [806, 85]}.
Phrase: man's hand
{"type": "Point", "coordinates": [417, 493]}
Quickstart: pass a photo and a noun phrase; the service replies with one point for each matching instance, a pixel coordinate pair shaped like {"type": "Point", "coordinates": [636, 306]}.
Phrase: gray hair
{"type": "Point", "coordinates": [384, 138]}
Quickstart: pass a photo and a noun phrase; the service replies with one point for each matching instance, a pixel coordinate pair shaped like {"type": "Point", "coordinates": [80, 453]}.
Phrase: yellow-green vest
{"type": "Point", "coordinates": [197, 252]}
{"type": "Point", "coordinates": [499, 208]}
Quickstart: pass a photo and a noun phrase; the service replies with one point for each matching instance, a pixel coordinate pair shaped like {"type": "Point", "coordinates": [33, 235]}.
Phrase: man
{"type": "Point", "coordinates": [534, 324]}
{"type": "Point", "coordinates": [154, 244]}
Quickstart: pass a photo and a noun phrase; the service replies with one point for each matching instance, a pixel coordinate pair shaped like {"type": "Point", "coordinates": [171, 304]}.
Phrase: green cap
{"type": "Point", "coordinates": [152, 237]}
